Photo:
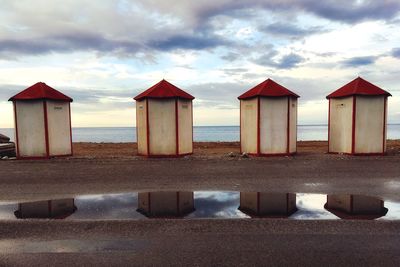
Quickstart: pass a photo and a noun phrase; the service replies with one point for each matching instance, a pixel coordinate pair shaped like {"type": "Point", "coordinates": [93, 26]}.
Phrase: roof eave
{"type": "Point", "coordinates": [163, 97]}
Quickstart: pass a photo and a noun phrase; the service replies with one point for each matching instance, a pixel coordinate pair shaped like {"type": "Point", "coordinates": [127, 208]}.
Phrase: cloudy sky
{"type": "Point", "coordinates": [103, 53]}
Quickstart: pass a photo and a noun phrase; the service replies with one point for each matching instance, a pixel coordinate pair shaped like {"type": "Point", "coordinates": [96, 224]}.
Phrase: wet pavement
{"type": "Point", "coordinates": [204, 205]}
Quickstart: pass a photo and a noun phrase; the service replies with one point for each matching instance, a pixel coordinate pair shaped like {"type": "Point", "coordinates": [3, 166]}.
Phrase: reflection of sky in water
{"type": "Point", "coordinates": [208, 204]}
{"type": "Point", "coordinates": [311, 207]}
{"type": "Point", "coordinates": [393, 211]}
{"type": "Point", "coordinates": [7, 210]}
{"type": "Point", "coordinates": [110, 206]}
{"type": "Point", "coordinates": [217, 204]}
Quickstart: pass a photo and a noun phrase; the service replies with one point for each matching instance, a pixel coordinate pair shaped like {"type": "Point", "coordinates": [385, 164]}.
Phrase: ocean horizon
{"type": "Point", "coordinates": [200, 133]}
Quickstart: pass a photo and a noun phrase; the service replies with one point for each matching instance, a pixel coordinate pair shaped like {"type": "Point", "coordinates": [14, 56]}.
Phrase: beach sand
{"type": "Point", "coordinates": [212, 149]}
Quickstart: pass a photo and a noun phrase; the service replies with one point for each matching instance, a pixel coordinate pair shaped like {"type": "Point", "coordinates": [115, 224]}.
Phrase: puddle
{"type": "Point", "coordinates": [205, 205]}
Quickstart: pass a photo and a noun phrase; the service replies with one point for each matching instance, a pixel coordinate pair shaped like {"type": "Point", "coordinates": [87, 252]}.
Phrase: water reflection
{"type": "Point", "coordinates": [48, 209]}
{"type": "Point", "coordinates": [204, 204]}
{"type": "Point", "coordinates": [217, 204]}
{"type": "Point", "coordinates": [165, 204]}
{"type": "Point", "coordinates": [106, 207]}
{"type": "Point", "coordinates": [260, 204]}
{"type": "Point", "coordinates": [348, 206]}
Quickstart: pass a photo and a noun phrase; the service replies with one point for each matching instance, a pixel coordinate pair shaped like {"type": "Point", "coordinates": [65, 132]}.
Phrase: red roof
{"type": "Point", "coordinates": [358, 86]}
{"type": "Point", "coordinates": [268, 88]}
{"type": "Point", "coordinates": [164, 89]}
{"type": "Point", "coordinates": [40, 91]}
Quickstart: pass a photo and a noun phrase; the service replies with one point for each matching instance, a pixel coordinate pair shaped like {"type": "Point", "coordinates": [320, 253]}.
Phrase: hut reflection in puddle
{"type": "Point", "coordinates": [47, 209]}
{"type": "Point", "coordinates": [348, 206]}
{"type": "Point", "coordinates": [260, 204]}
{"type": "Point", "coordinates": [165, 204]}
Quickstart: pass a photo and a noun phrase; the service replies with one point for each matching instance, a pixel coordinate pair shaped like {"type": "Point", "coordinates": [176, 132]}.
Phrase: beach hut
{"type": "Point", "coordinates": [165, 204]}
{"type": "Point", "coordinates": [355, 206]}
{"type": "Point", "coordinates": [357, 119]}
{"type": "Point", "coordinates": [268, 120]}
{"type": "Point", "coordinates": [56, 209]}
{"type": "Point", "coordinates": [262, 204]}
{"type": "Point", "coordinates": [42, 117]}
{"type": "Point", "coordinates": [164, 121]}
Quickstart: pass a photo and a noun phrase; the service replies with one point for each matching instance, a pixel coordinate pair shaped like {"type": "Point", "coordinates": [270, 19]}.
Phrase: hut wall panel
{"type": "Point", "coordinates": [248, 129]}
{"type": "Point", "coordinates": [185, 126]}
{"type": "Point", "coordinates": [141, 127]}
{"type": "Point", "coordinates": [248, 201]}
{"type": "Point", "coordinates": [293, 125]}
{"type": "Point", "coordinates": [186, 202]}
{"type": "Point", "coordinates": [340, 202]}
{"type": "Point", "coordinates": [31, 130]}
{"type": "Point", "coordinates": [273, 203]}
{"type": "Point", "coordinates": [369, 124]}
{"type": "Point", "coordinates": [59, 128]}
{"type": "Point", "coordinates": [341, 125]}
{"type": "Point", "coordinates": [366, 205]}
{"type": "Point", "coordinates": [273, 125]}
{"type": "Point", "coordinates": [162, 127]}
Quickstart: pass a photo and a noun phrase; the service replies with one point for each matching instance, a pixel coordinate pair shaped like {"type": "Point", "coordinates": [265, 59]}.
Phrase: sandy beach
{"type": "Point", "coordinates": [201, 149]}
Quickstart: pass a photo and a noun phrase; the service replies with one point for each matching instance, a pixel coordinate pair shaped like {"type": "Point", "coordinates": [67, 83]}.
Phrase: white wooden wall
{"type": "Point", "coordinates": [369, 124]}
{"type": "Point", "coordinates": [248, 125]}
{"type": "Point", "coordinates": [31, 128]}
{"type": "Point", "coordinates": [59, 128]}
{"type": "Point", "coordinates": [340, 133]}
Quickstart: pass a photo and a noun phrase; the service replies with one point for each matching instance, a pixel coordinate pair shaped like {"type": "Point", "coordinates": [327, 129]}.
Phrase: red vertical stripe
{"type": "Point", "coordinates": [191, 110]}
{"type": "Point", "coordinates": [329, 124]}
{"type": "Point", "coordinates": [258, 125]}
{"type": "Point", "coordinates": [136, 125]}
{"type": "Point", "coordinates": [176, 127]}
{"type": "Point", "coordinates": [46, 128]}
{"type": "Point", "coordinates": [70, 127]}
{"type": "Point", "coordinates": [288, 126]}
{"type": "Point", "coordinates": [147, 127]}
{"type": "Point", "coordinates": [384, 126]}
{"type": "Point", "coordinates": [353, 127]}
{"type": "Point", "coordinates": [240, 125]}
{"type": "Point", "coordinates": [16, 127]}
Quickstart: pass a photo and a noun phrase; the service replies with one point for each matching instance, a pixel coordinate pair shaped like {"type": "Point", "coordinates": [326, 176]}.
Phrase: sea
{"type": "Point", "coordinates": [200, 133]}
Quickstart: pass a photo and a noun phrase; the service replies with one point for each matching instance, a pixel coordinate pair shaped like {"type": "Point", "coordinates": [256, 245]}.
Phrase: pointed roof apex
{"type": "Point", "coordinates": [40, 90]}
{"type": "Point", "coordinates": [267, 88]}
{"type": "Point", "coordinates": [358, 86]}
{"type": "Point", "coordinates": [164, 89]}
